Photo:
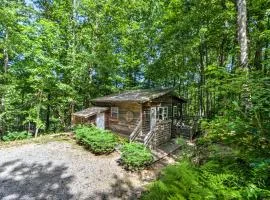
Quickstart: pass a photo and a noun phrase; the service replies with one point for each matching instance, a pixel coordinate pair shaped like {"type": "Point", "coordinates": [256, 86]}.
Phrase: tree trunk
{"type": "Point", "coordinates": [5, 60]}
{"type": "Point", "coordinates": [48, 112]}
{"type": "Point", "coordinates": [243, 42]}
{"type": "Point", "coordinates": [204, 82]}
{"type": "Point", "coordinates": [29, 127]}
{"type": "Point", "coordinates": [5, 69]}
{"type": "Point", "coordinates": [38, 123]}
{"type": "Point", "coordinates": [265, 66]}
{"type": "Point", "coordinates": [266, 51]}
{"type": "Point", "coordinates": [201, 83]}
{"type": "Point", "coordinates": [5, 52]}
{"type": "Point", "coordinates": [242, 32]}
{"type": "Point", "coordinates": [74, 16]}
{"type": "Point", "coordinates": [36, 132]}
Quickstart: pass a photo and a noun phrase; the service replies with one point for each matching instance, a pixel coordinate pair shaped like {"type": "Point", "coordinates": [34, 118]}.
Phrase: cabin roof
{"type": "Point", "coordinates": [90, 111]}
{"type": "Point", "coordinates": [139, 96]}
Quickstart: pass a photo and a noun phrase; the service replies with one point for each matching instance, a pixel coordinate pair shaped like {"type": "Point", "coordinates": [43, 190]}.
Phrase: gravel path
{"type": "Point", "coordinates": [61, 170]}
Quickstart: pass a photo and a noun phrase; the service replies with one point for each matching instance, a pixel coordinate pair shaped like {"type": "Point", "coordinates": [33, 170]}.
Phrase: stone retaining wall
{"type": "Point", "coordinates": [162, 133]}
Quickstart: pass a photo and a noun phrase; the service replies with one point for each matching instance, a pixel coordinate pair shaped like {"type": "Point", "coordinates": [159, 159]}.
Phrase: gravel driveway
{"type": "Point", "coordinates": [62, 170]}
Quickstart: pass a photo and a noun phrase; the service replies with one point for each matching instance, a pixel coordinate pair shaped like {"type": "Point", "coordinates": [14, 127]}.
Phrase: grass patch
{"type": "Point", "coordinates": [39, 140]}
{"type": "Point", "coordinates": [98, 141]}
{"type": "Point", "coordinates": [13, 136]}
{"type": "Point", "coordinates": [135, 156]}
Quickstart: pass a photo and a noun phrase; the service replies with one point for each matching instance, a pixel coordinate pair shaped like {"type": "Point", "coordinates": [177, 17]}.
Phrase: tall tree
{"type": "Point", "coordinates": [242, 32]}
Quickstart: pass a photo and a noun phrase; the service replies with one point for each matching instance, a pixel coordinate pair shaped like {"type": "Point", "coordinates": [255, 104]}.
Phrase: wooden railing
{"type": "Point", "coordinates": [136, 131]}
{"type": "Point", "coordinates": [149, 136]}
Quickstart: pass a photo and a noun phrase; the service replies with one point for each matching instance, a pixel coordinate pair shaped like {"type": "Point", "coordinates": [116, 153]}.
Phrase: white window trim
{"type": "Point", "coordinates": [114, 110]}
{"type": "Point", "coordinates": [164, 113]}
{"type": "Point", "coordinates": [175, 111]}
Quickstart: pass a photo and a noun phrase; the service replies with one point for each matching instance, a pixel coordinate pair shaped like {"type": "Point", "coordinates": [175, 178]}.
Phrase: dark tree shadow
{"type": "Point", "coordinates": [20, 180]}
{"type": "Point", "coordinates": [125, 189]}
{"type": "Point", "coordinates": [122, 188]}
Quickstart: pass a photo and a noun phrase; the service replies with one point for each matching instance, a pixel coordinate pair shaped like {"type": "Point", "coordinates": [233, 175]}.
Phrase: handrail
{"type": "Point", "coordinates": [149, 136]}
{"type": "Point", "coordinates": [135, 132]}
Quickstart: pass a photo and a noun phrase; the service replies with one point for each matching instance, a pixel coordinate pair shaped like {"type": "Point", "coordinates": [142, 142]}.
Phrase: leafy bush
{"type": "Point", "coordinates": [180, 181]}
{"type": "Point", "coordinates": [81, 132]}
{"type": "Point", "coordinates": [135, 156]}
{"type": "Point", "coordinates": [216, 179]}
{"type": "Point", "coordinates": [97, 140]}
{"type": "Point", "coordinates": [11, 136]}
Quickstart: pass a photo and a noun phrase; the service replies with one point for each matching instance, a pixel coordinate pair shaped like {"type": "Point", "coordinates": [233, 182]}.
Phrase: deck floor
{"type": "Point", "coordinates": [165, 149]}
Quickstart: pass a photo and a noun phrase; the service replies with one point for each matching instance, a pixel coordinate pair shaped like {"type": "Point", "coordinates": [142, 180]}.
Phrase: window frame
{"type": "Point", "coordinates": [175, 111]}
{"type": "Point", "coordinates": [163, 113]}
{"type": "Point", "coordinates": [114, 111]}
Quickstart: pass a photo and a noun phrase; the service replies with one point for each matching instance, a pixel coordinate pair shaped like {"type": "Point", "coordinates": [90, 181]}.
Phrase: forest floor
{"type": "Point", "coordinates": [60, 169]}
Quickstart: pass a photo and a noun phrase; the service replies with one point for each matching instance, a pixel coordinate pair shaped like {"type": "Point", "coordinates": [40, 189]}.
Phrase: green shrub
{"type": "Point", "coordinates": [81, 132]}
{"type": "Point", "coordinates": [97, 140]}
{"type": "Point", "coordinates": [11, 136]}
{"type": "Point", "coordinates": [180, 181]}
{"type": "Point", "coordinates": [212, 180]}
{"type": "Point", "coordinates": [135, 156]}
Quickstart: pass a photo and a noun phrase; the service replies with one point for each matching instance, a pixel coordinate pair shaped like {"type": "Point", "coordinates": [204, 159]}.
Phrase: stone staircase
{"type": "Point", "coordinates": [140, 138]}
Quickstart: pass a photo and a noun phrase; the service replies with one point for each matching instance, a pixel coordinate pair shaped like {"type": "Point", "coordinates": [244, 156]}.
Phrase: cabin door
{"type": "Point", "coordinates": [100, 120]}
{"type": "Point", "coordinates": [153, 117]}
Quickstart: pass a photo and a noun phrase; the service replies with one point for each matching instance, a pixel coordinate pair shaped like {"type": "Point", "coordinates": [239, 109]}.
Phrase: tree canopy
{"type": "Point", "coordinates": [57, 55]}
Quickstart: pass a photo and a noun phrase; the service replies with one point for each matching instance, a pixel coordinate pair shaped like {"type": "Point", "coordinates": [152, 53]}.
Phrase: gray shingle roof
{"type": "Point", "coordinates": [90, 111]}
{"type": "Point", "coordinates": [140, 96]}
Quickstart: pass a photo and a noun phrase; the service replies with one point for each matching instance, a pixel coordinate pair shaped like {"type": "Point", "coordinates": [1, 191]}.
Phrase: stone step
{"type": "Point", "coordinates": [139, 139]}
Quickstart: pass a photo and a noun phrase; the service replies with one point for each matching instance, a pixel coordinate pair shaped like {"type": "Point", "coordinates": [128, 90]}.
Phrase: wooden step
{"type": "Point", "coordinates": [139, 140]}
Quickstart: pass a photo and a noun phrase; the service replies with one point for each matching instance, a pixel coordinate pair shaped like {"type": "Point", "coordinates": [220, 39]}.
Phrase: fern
{"type": "Point", "coordinates": [180, 181]}
{"type": "Point", "coordinates": [212, 180]}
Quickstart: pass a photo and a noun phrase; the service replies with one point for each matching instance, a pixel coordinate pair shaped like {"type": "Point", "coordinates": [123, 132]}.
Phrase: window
{"type": "Point", "coordinates": [165, 113]}
{"type": "Point", "coordinates": [114, 112]}
{"type": "Point", "coordinates": [175, 111]}
{"type": "Point", "coordinates": [162, 113]}
{"type": "Point", "coordinates": [129, 116]}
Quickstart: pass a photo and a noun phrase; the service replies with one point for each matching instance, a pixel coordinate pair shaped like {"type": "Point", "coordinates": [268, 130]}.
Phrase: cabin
{"type": "Point", "coordinates": [149, 116]}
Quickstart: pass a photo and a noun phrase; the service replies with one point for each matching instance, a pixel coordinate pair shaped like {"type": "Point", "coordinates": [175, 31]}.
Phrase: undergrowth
{"type": "Point", "coordinates": [97, 140]}
{"type": "Point", "coordinates": [12, 136]}
{"type": "Point", "coordinates": [135, 156]}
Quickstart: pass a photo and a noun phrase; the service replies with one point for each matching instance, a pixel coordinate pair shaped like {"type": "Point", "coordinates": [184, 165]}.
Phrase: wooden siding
{"type": "Point", "coordinates": [164, 128]}
{"type": "Point", "coordinates": [122, 125]}
{"type": "Point", "coordinates": [83, 120]}
{"type": "Point", "coordinates": [166, 100]}
{"type": "Point", "coordinates": [107, 117]}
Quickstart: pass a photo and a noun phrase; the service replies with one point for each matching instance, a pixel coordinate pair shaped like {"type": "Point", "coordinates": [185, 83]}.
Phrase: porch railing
{"type": "Point", "coordinates": [136, 131]}
{"type": "Point", "coordinates": [149, 136]}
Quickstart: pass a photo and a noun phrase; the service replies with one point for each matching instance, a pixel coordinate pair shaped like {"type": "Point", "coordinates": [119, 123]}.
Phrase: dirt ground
{"type": "Point", "coordinates": [64, 170]}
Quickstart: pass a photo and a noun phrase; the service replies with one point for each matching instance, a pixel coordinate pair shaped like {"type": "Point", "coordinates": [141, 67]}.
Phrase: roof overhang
{"type": "Point", "coordinates": [90, 112]}
{"type": "Point", "coordinates": [136, 96]}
